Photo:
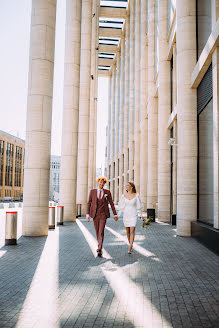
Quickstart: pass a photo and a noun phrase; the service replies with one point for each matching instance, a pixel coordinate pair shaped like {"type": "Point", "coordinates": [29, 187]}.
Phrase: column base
{"type": "Point", "coordinates": [51, 226]}
{"type": "Point", "coordinates": [59, 223]}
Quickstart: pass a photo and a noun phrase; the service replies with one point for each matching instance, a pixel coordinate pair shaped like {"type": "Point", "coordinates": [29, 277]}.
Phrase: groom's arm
{"type": "Point", "coordinates": [89, 203]}
{"type": "Point", "coordinates": [111, 203]}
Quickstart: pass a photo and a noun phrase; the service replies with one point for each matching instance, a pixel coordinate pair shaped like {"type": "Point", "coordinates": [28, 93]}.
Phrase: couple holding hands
{"type": "Point", "coordinates": [98, 210]}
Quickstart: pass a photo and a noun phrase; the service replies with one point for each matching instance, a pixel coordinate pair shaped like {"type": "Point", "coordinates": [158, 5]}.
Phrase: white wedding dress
{"type": "Point", "coordinates": [130, 209]}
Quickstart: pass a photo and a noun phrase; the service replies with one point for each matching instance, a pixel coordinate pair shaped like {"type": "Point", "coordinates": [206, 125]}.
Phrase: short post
{"type": "Point", "coordinates": [52, 217]}
{"type": "Point", "coordinates": [78, 210]}
{"type": "Point", "coordinates": [60, 215]}
{"type": "Point", "coordinates": [11, 228]}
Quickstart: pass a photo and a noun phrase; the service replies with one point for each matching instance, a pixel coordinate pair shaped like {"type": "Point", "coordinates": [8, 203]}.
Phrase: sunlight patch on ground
{"type": "Point", "coordinates": [40, 305]}
{"type": "Point", "coordinates": [136, 247]}
{"type": "Point", "coordinates": [138, 308]}
{"type": "Point", "coordinates": [92, 242]}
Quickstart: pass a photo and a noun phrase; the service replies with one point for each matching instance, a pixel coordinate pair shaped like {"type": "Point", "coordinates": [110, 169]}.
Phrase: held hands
{"type": "Point", "coordinates": [87, 218]}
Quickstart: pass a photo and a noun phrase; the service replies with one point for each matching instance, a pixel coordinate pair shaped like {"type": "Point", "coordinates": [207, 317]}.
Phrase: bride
{"type": "Point", "coordinates": [130, 207]}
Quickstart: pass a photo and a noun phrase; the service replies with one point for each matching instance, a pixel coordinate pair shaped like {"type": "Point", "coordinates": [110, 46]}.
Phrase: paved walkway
{"type": "Point", "coordinates": [57, 281]}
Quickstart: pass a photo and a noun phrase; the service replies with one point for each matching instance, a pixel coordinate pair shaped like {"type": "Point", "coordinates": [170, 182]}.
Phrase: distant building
{"type": "Point", "coordinates": [55, 162]}
{"type": "Point", "coordinates": [98, 172]}
{"type": "Point", "coordinates": [11, 166]}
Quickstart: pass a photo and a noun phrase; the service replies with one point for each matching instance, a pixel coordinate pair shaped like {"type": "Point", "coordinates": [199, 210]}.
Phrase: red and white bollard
{"type": "Point", "coordinates": [52, 217]}
{"type": "Point", "coordinates": [60, 215]}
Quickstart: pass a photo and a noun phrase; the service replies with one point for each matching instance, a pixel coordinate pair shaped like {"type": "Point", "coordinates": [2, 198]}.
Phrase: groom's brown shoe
{"type": "Point", "coordinates": [99, 252]}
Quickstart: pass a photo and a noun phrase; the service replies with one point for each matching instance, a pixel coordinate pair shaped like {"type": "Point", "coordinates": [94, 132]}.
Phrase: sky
{"type": "Point", "coordinates": [15, 20]}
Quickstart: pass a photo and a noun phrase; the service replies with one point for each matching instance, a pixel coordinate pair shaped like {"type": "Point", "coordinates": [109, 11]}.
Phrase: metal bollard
{"type": "Point", "coordinates": [60, 215]}
{"type": "Point", "coordinates": [11, 228]}
{"type": "Point", "coordinates": [78, 210]}
{"type": "Point", "coordinates": [52, 217]}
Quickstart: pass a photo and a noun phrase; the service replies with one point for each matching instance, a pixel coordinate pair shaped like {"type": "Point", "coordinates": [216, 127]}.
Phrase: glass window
{"type": "Point", "coordinates": [205, 165]}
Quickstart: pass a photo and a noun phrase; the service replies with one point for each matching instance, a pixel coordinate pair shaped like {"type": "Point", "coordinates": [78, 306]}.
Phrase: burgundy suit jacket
{"type": "Point", "coordinates": [92, 203]}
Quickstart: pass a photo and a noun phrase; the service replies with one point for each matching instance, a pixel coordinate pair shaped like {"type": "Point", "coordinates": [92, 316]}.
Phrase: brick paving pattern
{"type": "Point", "coordinates": [58, 281]}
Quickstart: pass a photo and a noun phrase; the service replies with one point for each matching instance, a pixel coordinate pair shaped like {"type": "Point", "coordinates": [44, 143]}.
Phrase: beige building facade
{"type": "Point", "coordinates": [161, 59]}
{"type": "Point", "coordinates": [11, 167]}
{"type": "Point", "coordinates": [170, 121]}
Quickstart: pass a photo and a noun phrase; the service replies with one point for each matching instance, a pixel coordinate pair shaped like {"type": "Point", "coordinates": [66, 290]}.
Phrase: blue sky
{"type": "Point", "coordinates": [15, 18]}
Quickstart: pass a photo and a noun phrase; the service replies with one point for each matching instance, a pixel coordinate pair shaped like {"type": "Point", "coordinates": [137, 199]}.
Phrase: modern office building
{"type": "Point", "coordinates": [11, 167]}
{"type": "Point", "coordinates": [54, 187]}
{"type": "Point", "coordinates": [161, 58]}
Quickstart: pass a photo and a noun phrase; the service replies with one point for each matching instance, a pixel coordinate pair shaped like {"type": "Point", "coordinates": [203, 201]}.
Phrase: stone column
{"type": "Point", "coordinates": [126, 104]}
{"type": "Point", "coordinates": [152, 112]}
{"type": "Point", "coordinates": [121, 129]}
{"type": "Point", "coordinates": [186, 117]}
{"type": "Point", "coordinates": [137, 95]}
{"type": "Point", "coordinates": [96, 92]}
{"type": "Point", "coordinates": [131, 89]}
{"type": "Point", "coordinates": [93, 85]}
{"type": "Point", "coordinates": [109, 132]}
{"type": "Point", "coordinates": [117, 110]}
{"type": "Point", "coordinates": [84, 104]}
{"type": "Point", "coordinates": [68, 183]}
{"type": "Point", "coordinates": [113, 125]}
{"type": "Point", "coordinates": [214, 12]}
{"type": "Point", "coordinates": [163, 116]}
{"type": "Point", "coordinates": [143, 104]}
{"type": "Point", "coordinates": [39, 118]}
{"type": "Point", "coordinates": [215, 72]}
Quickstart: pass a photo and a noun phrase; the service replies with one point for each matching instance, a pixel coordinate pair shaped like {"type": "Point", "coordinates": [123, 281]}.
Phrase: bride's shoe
{"type": "Point", "coordinates": [130, 251]}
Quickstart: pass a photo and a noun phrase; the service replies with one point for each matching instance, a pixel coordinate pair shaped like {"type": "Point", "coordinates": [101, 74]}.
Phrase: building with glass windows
{"type": "Point", "coordinates": [54, 187]}
{"type": "Point", "coordinates": [11, 167]}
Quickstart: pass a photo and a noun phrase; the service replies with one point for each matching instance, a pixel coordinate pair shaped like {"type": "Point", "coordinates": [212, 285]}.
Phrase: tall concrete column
{"type": "Point", "coordinates": [215, 72]}
{"type": "Point", "coordinates": [186, 117]}
{"type": "Point", "coordinates": [93, 85]}
{"type": "Point", "coordinates": [163, 116]}
{"type": "Point", "coordinates": [143, 107]}
{"type": "Point", "coordinates": [152, 112]}
{"type": "Point", "coordinates": [96, 92]}
{"type": "Point", "coordinates": [109, 146]}
{"type": "Point", "coordinates": [126, 105]}
{"type": "Point", "coordinates": [113, 131]}
{"type": "Point", "coordinates": [84, 104]}
{"type": "Point", "coordinates": [137, 95]}
{"type": "Point", "coordinates": [121, 129]}
{"type": "Point", "coordinates": [39, 118]}
{"type": "Point", "coordinates": [117, 95]}
{"type": "Point", "coordinates": [68, 185]}
{"type": "Point", "coordinates": [131, 88]}
{"type": "Point", "coordinates": [214, 11]}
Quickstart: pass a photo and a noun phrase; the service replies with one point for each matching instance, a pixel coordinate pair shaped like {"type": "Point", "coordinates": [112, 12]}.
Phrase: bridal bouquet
{"type": "Point", "coordinates": [146, 222]}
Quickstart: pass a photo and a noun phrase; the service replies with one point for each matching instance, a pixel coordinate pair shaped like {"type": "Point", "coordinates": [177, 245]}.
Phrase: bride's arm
{"type": "Point", "coordinates": [121, 205]}
{"type": "Point", "coordinates": [138, 206]}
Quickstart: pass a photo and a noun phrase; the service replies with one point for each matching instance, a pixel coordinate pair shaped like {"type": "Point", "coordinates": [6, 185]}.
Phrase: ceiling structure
{"type": "Point", "coordinates": [111, 28]}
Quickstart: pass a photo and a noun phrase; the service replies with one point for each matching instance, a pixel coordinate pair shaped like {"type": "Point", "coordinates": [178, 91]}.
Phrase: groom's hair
{"type": "Point", "coordinates": [102, 178]}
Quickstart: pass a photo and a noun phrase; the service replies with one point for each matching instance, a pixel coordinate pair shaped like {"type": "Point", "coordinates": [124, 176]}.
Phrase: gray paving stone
{"type": "Point", "coordinates": [168, 281]}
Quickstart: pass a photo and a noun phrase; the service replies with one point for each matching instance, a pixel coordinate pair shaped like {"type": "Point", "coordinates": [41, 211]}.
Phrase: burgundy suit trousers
{"type": "Point", "coordinates": [99, 225]}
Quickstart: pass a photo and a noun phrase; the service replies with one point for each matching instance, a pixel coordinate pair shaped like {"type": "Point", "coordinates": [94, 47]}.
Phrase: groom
{"type": "Point", "coordinates": [98, 210]}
